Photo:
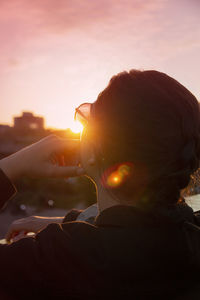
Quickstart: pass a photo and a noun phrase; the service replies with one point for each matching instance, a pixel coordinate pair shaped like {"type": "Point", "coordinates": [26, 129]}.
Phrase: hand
{"type": "Point", "coordinates": [43, 159]}
{"type": "Point", "coordinates": [19, 228]}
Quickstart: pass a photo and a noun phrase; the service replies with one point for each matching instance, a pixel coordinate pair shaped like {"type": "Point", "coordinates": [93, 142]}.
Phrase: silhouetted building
{"type": "Point", "coordinates": [4, 128]}
{"type": "Point", "coordinates": [28, 121]}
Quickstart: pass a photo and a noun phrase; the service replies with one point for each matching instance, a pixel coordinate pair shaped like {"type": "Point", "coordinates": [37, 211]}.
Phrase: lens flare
{"type": "Point", "coordinates": [116, 175]}
{"type": "Point", "coordinates": [124, 170]}
{"type": "Point", "coordinates": [114, 179]}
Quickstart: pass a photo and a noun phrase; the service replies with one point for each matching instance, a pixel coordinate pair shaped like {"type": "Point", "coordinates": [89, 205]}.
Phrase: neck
{"type": "Point", "coordinates": [104, 199]}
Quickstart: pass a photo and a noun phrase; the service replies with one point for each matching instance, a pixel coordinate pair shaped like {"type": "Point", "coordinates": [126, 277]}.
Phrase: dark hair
{"type": "Point", "coordinates": [151, 120]}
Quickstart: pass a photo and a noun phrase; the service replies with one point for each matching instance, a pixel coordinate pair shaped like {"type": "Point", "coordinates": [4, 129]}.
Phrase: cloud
{"type": "Point", "coordinates": [62, 15]}
{"type": "Point", "coordinates": [29, 27]}
{"type": "Point", "coordinates": [37, 28]}
{"type": "Point", "coordinates": [61, 49]}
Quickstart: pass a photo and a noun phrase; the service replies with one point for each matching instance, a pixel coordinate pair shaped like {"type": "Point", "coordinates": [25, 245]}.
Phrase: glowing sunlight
{"type": "Point", "coordinates": [76, 127]}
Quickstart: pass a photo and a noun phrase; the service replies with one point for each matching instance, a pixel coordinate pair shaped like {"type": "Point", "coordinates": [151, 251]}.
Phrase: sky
{"type": "Point", "coordinates": [57, 54]}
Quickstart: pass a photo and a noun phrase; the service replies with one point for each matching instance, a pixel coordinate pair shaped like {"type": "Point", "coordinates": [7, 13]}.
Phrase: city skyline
{"type": "Point", "coordinates": [33, 124]}
{"type": "Point", "coordinates": [21, 114]}
{"type": "Point", "coordinates": [56, 55]}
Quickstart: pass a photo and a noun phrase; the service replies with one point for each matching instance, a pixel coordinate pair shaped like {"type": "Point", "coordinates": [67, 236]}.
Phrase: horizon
{"type": "Point", "coordinates": [11, 124]}
{"type": "Point", "coordinates": [56, 56]}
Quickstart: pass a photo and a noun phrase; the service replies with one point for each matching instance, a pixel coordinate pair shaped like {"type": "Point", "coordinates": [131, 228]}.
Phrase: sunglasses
{"type": "Point", "coordinates": [83, 113]}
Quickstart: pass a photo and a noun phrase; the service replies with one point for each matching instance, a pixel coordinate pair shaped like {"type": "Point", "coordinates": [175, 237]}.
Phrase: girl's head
{"type": "Point", "coordinates": [141, 140]}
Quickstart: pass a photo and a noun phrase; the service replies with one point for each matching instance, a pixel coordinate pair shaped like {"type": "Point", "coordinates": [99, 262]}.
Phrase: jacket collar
{"type": "Point", "coordinates": [124, 215]}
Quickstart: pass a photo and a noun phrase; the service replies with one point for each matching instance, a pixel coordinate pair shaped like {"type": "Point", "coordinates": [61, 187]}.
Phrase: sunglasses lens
{"type": "Point", "coordinates": [79, 118]}
{"type": "Point", "coordinates": [82, 113]}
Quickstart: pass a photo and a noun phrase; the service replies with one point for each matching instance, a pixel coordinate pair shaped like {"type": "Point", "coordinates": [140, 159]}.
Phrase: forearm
{"type": "Point", "coordinates": [9, 168]}
{"type": "Point", "coordinates": [21, 227]}
{"type": "Point", "coordinates": [49, 220]}
{"type": "Point", "coordinates": [7, 189]}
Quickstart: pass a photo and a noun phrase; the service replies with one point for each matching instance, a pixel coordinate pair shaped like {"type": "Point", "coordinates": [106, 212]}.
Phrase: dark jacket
{"type": "Point", "coordinates": [126, 254]}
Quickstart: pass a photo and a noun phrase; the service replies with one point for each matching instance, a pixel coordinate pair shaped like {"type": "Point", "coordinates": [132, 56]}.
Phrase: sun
{"type": "Point", "coordinates": [76, 127]}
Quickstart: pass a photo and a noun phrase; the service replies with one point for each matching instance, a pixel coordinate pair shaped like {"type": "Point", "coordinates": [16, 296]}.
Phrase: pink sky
{"type": "Point", "coordinates": [56, 54]}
